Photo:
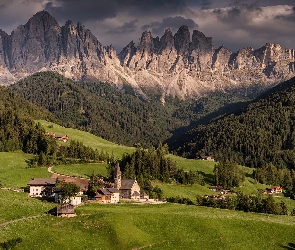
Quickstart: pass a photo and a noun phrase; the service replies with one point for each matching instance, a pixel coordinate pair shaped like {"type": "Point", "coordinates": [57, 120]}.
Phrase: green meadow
{"type": "Point", "coordinates": [165, 226]}
{"type": "Point", "coordinates": [14, 171]}
{"type": "Point", "coordinates": [133, 226]}
{"type": "Point", "coordinates": [88, 139]}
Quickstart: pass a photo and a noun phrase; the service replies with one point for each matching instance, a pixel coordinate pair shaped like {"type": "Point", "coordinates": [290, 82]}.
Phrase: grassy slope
{"type": "Point", "coordinates": [204, 167]}
{"type": "Point", "coordinates": [16, 205]}
{"type": "Point", "coordinates": [14, 171]}
{"type": "Point", "coordinates": [168, 226]}
{"type": "Point", "coordinates": [125, 226]}
{"type": "Point", "coordinates": [88, 139]}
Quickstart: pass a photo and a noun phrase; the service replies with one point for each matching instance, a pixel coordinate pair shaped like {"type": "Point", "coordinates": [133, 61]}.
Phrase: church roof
{"type": "Point", "coordinates": [127, 184]}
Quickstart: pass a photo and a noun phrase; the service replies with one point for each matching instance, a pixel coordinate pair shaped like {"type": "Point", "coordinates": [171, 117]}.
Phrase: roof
{"type": "Point", "coordinates": [66, 209]}
{"type": "Point", "coordinates": [113, 190]}
{"type": "Point", "coordinates": [42, 182]}
{"type": "Point", "coordinates": [127, 184]}
{"type": "Point", "coordinates": [108, 190]}
{"type": "Point", "coordinates": [82, 183]}
{"type": "Point", "coordinates": [104, 191]}
{"type": "Point", "coordinates": [60, 136]}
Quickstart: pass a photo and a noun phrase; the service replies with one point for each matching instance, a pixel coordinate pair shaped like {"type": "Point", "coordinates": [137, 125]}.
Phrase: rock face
{"type": "Point", "coordinates": [182, 65]}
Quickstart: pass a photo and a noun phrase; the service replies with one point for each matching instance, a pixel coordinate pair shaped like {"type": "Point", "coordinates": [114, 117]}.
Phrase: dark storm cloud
{"type": "Point", "coordinates": [238, 15]}
{"type": "Point", "coordinates": [85, 10]}
{"type": "Point", "coordinates": [170, 22]}
{"type": "Point", "coordinates": [126, 28]}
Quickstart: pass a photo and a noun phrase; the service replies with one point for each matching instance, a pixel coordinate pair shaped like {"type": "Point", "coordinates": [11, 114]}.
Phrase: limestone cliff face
{"type": "Point", "coordinates": [180, 64]}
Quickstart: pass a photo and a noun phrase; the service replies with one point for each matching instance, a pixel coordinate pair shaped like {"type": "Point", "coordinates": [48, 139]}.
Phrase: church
{"type": "Point", "coordinates": [129, 189]}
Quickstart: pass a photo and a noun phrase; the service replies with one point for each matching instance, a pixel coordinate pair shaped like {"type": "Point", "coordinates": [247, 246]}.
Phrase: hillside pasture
{"type": "Point", "coordinates": [14, 171]}
{"type": "Point", "coordinates": [167, 226]}
{"type": "Point", "coordinates": [17, 205]}
{"type": "Point", "coordinates": [88, 139]}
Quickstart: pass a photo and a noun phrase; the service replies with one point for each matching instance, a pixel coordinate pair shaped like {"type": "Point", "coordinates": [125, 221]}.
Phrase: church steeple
{"type": "Point", "coordinates": [118, 176]}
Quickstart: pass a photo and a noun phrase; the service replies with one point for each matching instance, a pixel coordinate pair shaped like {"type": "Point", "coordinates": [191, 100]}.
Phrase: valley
{"type": "Point", "coordinates": [170, 143]}
{"type": "Point", "coordinates": [133, 226]}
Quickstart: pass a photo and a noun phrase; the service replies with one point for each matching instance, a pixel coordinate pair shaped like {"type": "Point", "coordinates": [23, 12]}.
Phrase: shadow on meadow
{"type": "Point", "coordinates": [291, 246]}
{"type": "Point", "coordinates": [208, 178]}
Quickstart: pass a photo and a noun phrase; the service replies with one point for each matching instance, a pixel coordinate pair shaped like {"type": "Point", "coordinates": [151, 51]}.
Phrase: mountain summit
{"type": "Point", "coordinates": [180, 64]}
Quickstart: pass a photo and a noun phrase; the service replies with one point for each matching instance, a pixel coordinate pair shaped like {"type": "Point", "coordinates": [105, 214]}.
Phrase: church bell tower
{"type": "Point", "coordinates": [118, 176]}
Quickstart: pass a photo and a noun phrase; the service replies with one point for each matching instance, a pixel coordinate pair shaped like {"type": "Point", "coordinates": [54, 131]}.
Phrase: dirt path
{"type": "Point", "coordinates": [20, 219]}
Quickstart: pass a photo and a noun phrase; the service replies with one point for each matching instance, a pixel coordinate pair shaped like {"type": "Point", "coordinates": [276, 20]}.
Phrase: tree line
{"type": "Point", "coordinates": [247, 203]}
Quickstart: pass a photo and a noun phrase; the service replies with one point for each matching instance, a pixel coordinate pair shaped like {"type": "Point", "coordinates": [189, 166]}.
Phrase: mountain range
{"type": "Point", "coordinates": [180, 64]}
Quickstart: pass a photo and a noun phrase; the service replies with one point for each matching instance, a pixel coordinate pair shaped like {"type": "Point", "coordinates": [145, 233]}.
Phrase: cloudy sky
{"type": "Point", "coordinates": [233, 23]}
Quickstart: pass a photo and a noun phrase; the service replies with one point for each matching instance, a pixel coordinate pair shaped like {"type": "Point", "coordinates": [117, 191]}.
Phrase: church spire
{"type": "Point", "coordinates": [118, 176]}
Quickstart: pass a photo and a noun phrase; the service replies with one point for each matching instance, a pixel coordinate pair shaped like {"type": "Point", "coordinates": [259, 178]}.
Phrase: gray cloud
{"type": "Point", "coordinates": [126, 28]}
{"type": "Point", "coordinates": [170, 22]}
{"type": "Point", "coordinates": [290, 17]}
{"type": "Point", "coordinates": [238, 16]}
{"type": "Point", "coordinates": [102, 9]}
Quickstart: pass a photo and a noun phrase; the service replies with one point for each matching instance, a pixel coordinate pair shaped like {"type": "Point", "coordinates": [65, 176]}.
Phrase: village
{"type": "Point", "coordinates": [126, 190]}
{"type": "Point", "coordinates": [121, 190]}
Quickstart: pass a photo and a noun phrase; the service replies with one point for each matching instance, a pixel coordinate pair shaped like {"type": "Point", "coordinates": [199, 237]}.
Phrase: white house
{"type": "Point", "coordinates": [41, 186]}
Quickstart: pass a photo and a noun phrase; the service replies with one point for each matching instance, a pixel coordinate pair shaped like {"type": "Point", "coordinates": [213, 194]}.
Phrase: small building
{"type": "Point", "coordinates": [66, 210]}
{"type": "Point", "coordinates": [206, 158]}
{"type": "Point", "coordinates": [108, 195]}
{"type": "Point", "coordinates": [75, 200]}
{"type": "Point", "coordinates": [144, 196]}
{"type": "Point", "coordinates": [63, 138]}
{"type": "Point", "coordinates": [40, 187]}
{"type": "Point", "coordinates": [216, 188]}
{"type": "Point", "coordinates": [275, 190]}
{"type": "Point", "coordinates": [59, 137]}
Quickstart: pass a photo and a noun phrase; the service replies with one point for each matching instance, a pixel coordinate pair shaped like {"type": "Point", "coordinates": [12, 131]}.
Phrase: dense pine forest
{"type": "Point", "coordinates": [261, 133]}
{"type": "Point", "coordinates": [17, 126]}
{"type": "Point", "coordinates": [119, 117]}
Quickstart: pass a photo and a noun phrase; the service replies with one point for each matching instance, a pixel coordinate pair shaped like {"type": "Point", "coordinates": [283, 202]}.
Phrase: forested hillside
{"type": "Point", "coordinates": [123, 118]}
{"type": "Point", "coordinates": [261, 133]}
{"type": "Point", "coordinates": [17, 127]}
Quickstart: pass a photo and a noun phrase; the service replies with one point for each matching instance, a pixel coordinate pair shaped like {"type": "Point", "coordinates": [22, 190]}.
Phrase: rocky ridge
{"type": "Point", "coordinates": [179, 64]}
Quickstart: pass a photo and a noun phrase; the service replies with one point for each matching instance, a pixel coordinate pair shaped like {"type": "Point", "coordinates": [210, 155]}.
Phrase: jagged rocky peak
{"type": "Point", "coordinates": [35, 43]}
{"type": "Point", "coordinates": [126, 54]}
{"type": "Point", "coordinates": [201, 42]}
{"type": "Point", "coordinates": [222, 59]}
{"type": "Point", "coordinates": [182, 40]}
{"type": "Point", "coordinates": [111, 52]}
{"type": "Point", "coordinates": [4, 41]}
{"type": "Point", "coordinates": [146, 43]}
{"type": "Point", "coordinates": [166, 41]}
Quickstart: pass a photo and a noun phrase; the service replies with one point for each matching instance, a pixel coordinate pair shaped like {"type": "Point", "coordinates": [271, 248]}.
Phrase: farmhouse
{"type": "Point", "coordinates": [129, 189]}
{"type": "Point", "coordinates": [108, 195]}
{"type": "Point", "coordinates": [58, 137]}
{"type": "Point", "coordinates": [41, 186]}
{"type": "Point", "coordinates": [45, 187]}
{"type": "Point", "coordinates": [75, 200]}
{"type": "Point", "coordinates": [216, 188]}
{"type": "Point", "coordinates": [275, 190]}
{"type": "Point", "coordinates": [206, 158]}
